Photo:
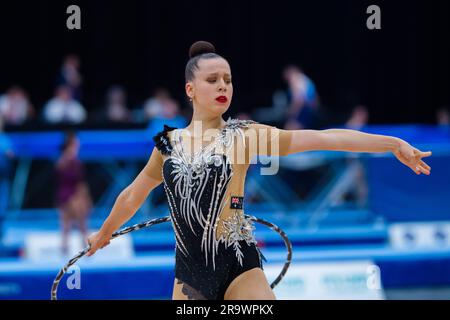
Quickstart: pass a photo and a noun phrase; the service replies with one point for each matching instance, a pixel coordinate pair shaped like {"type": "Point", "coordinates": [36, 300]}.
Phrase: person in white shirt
{"type": "Point", "coordinates": [63, 108]}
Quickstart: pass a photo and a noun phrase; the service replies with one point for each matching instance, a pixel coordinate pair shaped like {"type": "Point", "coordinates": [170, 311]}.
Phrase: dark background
{"type": "Point", "coordinates": [401, 72]}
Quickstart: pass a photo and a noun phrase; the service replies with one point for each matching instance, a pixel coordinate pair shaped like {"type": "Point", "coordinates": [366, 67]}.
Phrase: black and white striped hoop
{"type": "Point", "coordinates": [165, 219]}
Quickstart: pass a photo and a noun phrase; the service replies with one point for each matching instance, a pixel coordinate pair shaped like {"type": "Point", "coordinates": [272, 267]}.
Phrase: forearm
{"type": "Point", "coordinates": [124, 208]}
{"type": "Point", "coordinates": [356, 141]}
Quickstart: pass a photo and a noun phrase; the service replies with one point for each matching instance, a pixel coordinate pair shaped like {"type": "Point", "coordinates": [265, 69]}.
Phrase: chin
{"type": "Point", "coordinates": [222, 110]}
{"type": "Point", "coordinates": [219, 109]}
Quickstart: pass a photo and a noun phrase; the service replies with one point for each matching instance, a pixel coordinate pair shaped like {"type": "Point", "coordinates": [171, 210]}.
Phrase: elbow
{"type": "Point", "coordinates": [126, 198]}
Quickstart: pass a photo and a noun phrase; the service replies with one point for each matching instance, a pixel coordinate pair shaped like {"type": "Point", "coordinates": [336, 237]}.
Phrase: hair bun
{"type": "Point", "coordinates": [201, 47]}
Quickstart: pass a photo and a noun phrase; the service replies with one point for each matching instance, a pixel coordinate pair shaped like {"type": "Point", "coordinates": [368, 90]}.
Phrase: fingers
{"type": "Point", "coordinates": [419, 166]}
{"type": "Point", "coordinates": [424, 170]}
{"type": "Point", "coordinates": [91, 252]}
{"type": "Point", "coordinates": [423, 164]}
{"type": "Point", "coordinates": [422, 167]}
{"type": "Point", "coordinates": [414, 161]}
{"type": "Point", "coordinates": [425, 154]}
{"type": "Point", "coordinates": [420, 154]}
{"type": "Point", "coordinates": [94, 249]}
{"type": "Point", "coordinates": [418, 169]}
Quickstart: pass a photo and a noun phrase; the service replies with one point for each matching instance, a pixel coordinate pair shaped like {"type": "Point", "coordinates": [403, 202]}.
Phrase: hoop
{"type": "Point", "coordinates": [165, 219]}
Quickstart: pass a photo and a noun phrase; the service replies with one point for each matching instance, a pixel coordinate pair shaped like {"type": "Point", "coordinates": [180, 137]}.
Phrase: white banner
{"type": "Point", "coordinates": [47, 246]}
{"type": "Point", "coordinates": [352, 280]}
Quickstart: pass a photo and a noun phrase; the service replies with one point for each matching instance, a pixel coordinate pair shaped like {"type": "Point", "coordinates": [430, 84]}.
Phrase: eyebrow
{"type": "Point", "coordinates": [216, 73]}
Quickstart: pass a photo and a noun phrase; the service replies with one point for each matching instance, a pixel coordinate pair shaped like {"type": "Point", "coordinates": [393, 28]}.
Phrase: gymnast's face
{"type": "Point", "coordinates": [211, 89]}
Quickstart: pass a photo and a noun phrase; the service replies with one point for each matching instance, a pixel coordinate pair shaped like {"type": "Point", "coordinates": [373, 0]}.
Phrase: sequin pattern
{"type": "Point", "coordinates": [196, 187]}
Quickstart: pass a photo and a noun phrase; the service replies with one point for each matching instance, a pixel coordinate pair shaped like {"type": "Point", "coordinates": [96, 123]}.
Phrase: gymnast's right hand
{"type": "Point", "coordinates": [97, 240]}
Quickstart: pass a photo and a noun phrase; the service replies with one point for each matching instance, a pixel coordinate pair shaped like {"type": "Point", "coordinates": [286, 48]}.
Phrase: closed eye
{"type": "Point", "coordinates": [228, 81]}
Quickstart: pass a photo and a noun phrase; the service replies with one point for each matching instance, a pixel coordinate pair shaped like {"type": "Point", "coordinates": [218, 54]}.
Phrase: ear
{"type": "Point", "coordinates": [189, 87]}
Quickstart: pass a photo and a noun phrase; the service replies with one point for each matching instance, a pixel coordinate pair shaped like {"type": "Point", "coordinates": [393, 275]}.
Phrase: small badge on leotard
{"type": "Point", "coordinates": [236, 202]}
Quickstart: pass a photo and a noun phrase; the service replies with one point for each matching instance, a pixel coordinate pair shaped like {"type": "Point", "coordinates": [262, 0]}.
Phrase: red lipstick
{"type": "Point", "coordinates": [222, 99]}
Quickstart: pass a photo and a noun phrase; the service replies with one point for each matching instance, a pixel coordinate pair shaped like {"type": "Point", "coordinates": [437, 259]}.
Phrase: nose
{"type": "Point", "coordinates": [222, 86]}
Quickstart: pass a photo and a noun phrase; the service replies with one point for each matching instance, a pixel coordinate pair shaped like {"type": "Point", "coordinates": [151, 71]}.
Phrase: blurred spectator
{"type": "Point", "coordinates": [443, 117]}
{"type": "Point", "coordinates": [72, 198]}
{"type": "Point", "coordinates": [276, 113]}
{"type": "Point", "coordinates": [69, 75]}
{"type": "Point", "coordinates": [358, 119]}
{"type": "Point", "coordinates": [161, 106]}
{"type": "Point", "coordinates": [63, 109]}
{"type": "Point", "coordinates": [116, 105]}
{"type": "Point", "coordinates": [15, 108]}
{"type": "Point", "coordinates": [161, 109]}
{"type": "Point", "coordinates": [358, 189]}
{"type": "Point", "coordinates": [303, 99]}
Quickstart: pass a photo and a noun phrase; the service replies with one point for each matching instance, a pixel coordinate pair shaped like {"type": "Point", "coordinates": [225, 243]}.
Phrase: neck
{"type": "Point", "coordinates": [207, 121]}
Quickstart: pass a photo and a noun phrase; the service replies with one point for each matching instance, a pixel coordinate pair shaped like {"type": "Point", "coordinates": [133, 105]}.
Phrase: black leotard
{"type": "Point", "coordinates": [215, 243]}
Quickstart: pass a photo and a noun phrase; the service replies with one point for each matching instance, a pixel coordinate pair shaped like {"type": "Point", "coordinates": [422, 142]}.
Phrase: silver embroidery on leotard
{"type": "Point", "coordinates": [238, 228]}
{"type": "Point", "coordinates": [191, 173]}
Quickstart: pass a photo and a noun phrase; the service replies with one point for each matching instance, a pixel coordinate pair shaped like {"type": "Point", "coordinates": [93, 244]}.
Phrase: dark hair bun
{"type": "Point", "coordinates": [201, 47]}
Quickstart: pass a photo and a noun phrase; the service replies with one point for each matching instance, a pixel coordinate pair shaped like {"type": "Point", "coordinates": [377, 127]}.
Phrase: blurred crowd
{"type": "Point", "coordinates": [66, 104]}
{"type": "Point", "coordinates": [297, 106]}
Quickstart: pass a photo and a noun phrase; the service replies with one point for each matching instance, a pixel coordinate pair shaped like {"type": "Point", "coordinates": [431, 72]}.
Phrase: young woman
{"type": "Point", "coordinates": [203, 168]}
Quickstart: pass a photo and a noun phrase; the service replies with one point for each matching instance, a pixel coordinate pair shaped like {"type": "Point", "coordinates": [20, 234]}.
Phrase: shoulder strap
{"type": "Point", "coordinates": [162, 141]}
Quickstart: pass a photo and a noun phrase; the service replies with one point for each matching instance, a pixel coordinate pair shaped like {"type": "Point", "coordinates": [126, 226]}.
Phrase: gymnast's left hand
{"type": "Point", "coordinates": [412, 157]}
{"type": "Point", "coordinates": [98, 240]}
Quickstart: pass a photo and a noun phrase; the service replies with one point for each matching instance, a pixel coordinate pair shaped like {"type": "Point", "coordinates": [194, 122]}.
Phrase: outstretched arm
{"type": "Point", "coordinates": [128, 202]}
{"type": "Point", "coordinates": [356, 141]}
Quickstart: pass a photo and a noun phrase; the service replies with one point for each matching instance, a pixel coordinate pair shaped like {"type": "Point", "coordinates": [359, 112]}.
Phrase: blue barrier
{"type": "Point", "coordinates": [119, 145]}
{"type": "Point", "coordinates": [138, 143]}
